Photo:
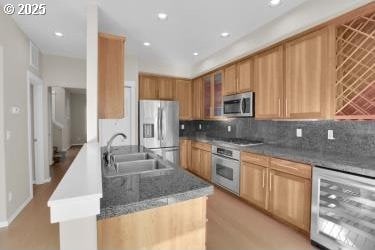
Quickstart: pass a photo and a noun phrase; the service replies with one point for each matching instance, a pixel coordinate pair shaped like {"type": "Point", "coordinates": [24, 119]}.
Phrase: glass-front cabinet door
{"type": "Point", "coordinates": [207, 96]}
{"type": "Point", "coordinates": [218, 97]}
{"type": "Point", "coordinates": [213, 98]}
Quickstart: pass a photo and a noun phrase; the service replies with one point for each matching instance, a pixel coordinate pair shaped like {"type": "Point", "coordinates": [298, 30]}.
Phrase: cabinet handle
{"type": "Point", "coordinates": [263, 181]}
{"type": "Point", "coordinates": [270, 182]}
{"type": "Point", "coordinates": [279, 107]}
{"type": "Point", "coordinates": [286, 107]}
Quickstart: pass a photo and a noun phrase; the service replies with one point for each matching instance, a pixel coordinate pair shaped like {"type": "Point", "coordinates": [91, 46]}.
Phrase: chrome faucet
{"type": "Point", "coordinates": [108, 155]}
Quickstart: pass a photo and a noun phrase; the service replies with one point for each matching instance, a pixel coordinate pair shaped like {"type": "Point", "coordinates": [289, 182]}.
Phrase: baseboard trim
{"type": "Point", "coordinates": [43, 181]}
{"type": "Point", "coordinates": [19, 210]}
{"type": "Point", "coordinates": [3, 224]}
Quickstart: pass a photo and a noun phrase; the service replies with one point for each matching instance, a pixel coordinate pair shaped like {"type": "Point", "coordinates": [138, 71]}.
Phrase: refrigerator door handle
{"type": "Point", "coordinates": [159, 123]}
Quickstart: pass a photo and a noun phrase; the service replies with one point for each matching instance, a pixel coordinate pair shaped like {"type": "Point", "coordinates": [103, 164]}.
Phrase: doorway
{"type": "Point", "coordinates": [36, 130]}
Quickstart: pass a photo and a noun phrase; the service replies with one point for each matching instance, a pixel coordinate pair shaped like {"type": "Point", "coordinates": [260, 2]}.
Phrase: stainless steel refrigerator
{"type": "Point", "coordinates": [158, 128]}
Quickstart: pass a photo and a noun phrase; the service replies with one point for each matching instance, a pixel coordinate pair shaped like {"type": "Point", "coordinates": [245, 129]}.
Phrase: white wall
{"type": "Point", "coordinates": [92, 72]}
{"type": "Point", "coordinates": [303, 17]}
{"type": "Point", "coordinates": [78, 118]}
{"type": "Point", "coordinates": [3, 215]}
{"type": "Point", "coordinates": [16, 64]}
{"type": "Point", "coordinates": [64, 71]}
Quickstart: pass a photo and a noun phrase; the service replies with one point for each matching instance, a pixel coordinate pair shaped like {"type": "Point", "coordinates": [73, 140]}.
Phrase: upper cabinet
{"type": "Point", "coordinates": [213, 95]}
{"type": "Point", "coordinates": [230, 80]}
{"type": "Point", "coordinates": [245, 75]}
{"type": "Point", "coordinates": [155, 87]}
{"type": "Point", "coordinates": [152, 87]}
{"type": "Point", "coordinates": [238, 78]}
{"type": "Point", "coordinates": [269, 83]}
{"type": "Point", "coordinates": [197, 100]}
{"type": "Point", "coordinates": [111, 87]}
{"type": "Point", "coordinates": [308, 77]}
{"type": "Point", "coordinates": [166, 87]}
{"type": "Point", "coordinates": [184, 97]}
{"type": "Point", "coordinates": [148, 87]}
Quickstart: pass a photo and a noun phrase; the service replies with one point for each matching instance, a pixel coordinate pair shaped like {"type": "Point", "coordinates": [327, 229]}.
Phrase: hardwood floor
{"type": "Point", "coordinates": [32, 228]}
{"type": "Point", "coordinates": [232, 224]}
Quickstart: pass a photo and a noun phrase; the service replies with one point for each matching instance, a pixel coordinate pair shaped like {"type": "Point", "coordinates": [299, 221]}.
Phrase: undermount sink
{"type": "Point", "coordinates": [134, 163]}
{"type": "Point", "coordinates": [130, 157]}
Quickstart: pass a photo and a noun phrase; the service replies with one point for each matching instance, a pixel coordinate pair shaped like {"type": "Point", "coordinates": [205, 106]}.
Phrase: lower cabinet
{"type": "Point", "coordinates": [283, 188]}
{"type": "Point", "coordinates": [289, 198]}
{"type": "Point", "coordinates": [201, 160]}
{"type": "Point", "coordinates": [253, 184]}
{"type": "Point", "coordinates": [185, 153]}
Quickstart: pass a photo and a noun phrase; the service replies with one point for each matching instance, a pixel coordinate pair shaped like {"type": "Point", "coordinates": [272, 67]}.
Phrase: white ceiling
{"type": "Point", "coordinates": [192, 25]}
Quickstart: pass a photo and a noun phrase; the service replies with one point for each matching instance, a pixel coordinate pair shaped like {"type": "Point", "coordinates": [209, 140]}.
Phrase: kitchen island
{"type": "Point", "coordinates": [153, 209]}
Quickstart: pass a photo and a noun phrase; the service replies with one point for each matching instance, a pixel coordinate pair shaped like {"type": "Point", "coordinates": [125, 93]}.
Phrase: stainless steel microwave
{"type": "Point", "coordinates": [241, 105]}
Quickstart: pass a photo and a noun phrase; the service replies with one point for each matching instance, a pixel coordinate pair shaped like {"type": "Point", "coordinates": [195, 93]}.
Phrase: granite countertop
{"type": "Point", "coordinates": [361, 165]}
{"type": "Point", "coordinates": [128, 194]}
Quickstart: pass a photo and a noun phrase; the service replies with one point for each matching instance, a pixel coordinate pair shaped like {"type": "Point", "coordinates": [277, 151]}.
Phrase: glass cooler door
{"type": "Point", "coordinates": [343, 210]}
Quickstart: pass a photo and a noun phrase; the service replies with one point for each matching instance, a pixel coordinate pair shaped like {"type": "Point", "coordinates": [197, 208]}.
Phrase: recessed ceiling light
{"type": "Point", "coordinates": [273, 3]}
{"type": "Point", "coordinates": [59, 34]}
{"type": "Point", "coordinates": [162, 16]}
{"type": "Point", "coordinates": [196, 53]}
{"type": "Point", "coordinates": [146, 44]}
{"type": "Point", "coordinates": [224, 34]}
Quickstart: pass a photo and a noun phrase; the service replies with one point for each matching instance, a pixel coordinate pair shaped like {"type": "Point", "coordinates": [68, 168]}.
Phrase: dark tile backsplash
{"type": "Point", "coordinates": [351, 137]}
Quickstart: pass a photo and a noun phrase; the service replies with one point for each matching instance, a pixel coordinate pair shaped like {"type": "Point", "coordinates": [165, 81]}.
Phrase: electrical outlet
{"type": "Point", "coordinates": [10, 196]}
{"type": "Point", "coordinates": [299, 132]}
{"type": "Point", "coordinates": [229, 128]}
{"type": "Point", "coordinates": [182, 126]}
{"type": "Point", "coordinates": [330, 135]}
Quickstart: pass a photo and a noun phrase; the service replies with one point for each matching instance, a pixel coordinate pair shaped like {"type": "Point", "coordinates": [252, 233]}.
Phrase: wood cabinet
{"type": "Point", "coordinates": [230, 80]}
{"type": "Point", "coordinates": [269, 84]}
{"type": "Point", "coordinates": [253, 184]}
{"type": "Point", "coordinates": [245, 75]}
{"type": "Point", "coordinates": [308, 88]}
{"type": "Point", "coordinates": [148, 87]}
{"type": "Point", "coordinates": [197, 100]}
{"type": "Point", "coordinates": [156, 87]}
{"type": "Point", "coordinates": [176, 226]}
{"type": "Point", "coordinates": [111, 85]}
{"type": "Point", "coordinates": [281, 187]}
{"type": "Point", "coordinates": [239, 78]}
{"type": "Point", "coordinates": [201, 159]}
{"type": "Point", "coordinates": [290, 198]}
{"type": "Point", "coordinates": [184, 97]}
{"type": "Point", "coordinates": [185, 153]}
{"type": "Point", "coordinates": [213, 97]}
{"type": "Point", "coordinates": [166, 88]}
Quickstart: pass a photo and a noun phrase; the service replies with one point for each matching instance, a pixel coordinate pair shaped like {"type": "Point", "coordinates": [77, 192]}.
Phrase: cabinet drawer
{"type": "Point", "coordinates": [290, 167]}
{"type": "Point", "coordinates": [254, 158]}
{"type": "Point", "coordinates": [201, 145]}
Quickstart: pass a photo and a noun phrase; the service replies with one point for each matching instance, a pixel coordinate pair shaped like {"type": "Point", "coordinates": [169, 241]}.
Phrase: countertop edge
{"type": "Point", "coordinates": [110, 212]}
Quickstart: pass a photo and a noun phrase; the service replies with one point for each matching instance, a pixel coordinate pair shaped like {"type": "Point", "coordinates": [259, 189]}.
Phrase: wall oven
{"type": "Point", "coordinates": [343, 210]}
{"type": "Point", "coordinates": [226, 168]}
{"type": "Point", "coordinates": [240, 105]}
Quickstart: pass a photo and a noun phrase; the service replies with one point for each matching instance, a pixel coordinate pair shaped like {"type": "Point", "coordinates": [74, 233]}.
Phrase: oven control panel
{"type": "Point", "coordinates": [229, 153]}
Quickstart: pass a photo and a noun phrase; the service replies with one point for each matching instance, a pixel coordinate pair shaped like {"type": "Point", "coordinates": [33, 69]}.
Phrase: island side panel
{"type": "Point", "coordinates": [177, 226]}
